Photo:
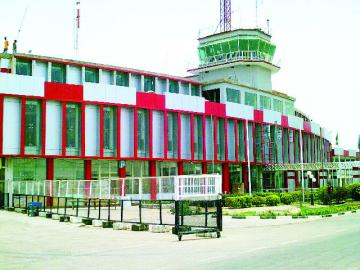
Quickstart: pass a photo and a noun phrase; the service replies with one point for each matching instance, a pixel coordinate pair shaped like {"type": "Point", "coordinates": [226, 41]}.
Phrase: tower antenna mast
{"type": "Point", "coordinates": [77, 28]}
{"type": "Point", "coordinates": [225, 15]}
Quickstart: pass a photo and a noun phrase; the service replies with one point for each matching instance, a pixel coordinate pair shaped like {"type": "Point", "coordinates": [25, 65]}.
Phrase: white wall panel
{"type": "Point", "coordinates": [127, 132]}
{"type": "Point", "coordinates": [272, 117]}
{"type": "Point", "coordinates": [107, 76]}
{"type": "Point", "coordinates": [296, 122]}
{"type": "Point", "coordinates": [74, 75]}
{"type": "Point", "coordinates": [239, 111]}
{"type": "Point", "coordinates": [40, 69]}
{"type": "Point", "coordinates": [109, 93]}
{"type": "Point", "coordinates": [184, 102]}
{"type": "Point", "coordinates": [185, 137]}
{"type": "Point", "coordinates": [21, 85]}
{"type": "Point", "coordinates": [158, 134]}
{"type": "Point", "coordinates": [53, 128]}
{"type": "Point", "coordinates": [231, 140]}
{"type": "Point", "coordinates": [4, 63]}
{"type": "Point", "coordinates": [315, 128]}
{"type": "Point", "coordinates": [11, 126]}
{"type": "Point", "coordinates": [92, 130]}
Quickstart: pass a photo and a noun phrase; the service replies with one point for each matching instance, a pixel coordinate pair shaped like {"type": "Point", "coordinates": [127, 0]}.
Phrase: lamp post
{"type": "Point", "coordinates": [313, 180]}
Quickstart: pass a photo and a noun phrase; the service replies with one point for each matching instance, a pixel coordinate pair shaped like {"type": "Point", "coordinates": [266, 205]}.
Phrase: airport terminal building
{"type": "Point", "coordinates": [67, 119]}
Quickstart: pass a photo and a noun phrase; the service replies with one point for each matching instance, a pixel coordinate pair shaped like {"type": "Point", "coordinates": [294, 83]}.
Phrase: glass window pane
{"type": "Point", "coordinates": [33, 127]}
{"type": "Point", "coordinates": [278, 105]}
{"type": "Point", "coordinates": [143, 133]}
{"type": "Point", "coordinates": [73, 129]}
{"type": "Point", "coordinates": [173, 86]}
{"type": "Point", "coordinates": [233, 95]}
{"type": "Point", "coordinates": [149, 83]}
{"type": "Point", "coordinates": [251, 99]}
{"type": "Point", "coordinates": [91, 75]}
{"type": "Point", "coordinates": [122, 78]}
{"type": "Point", "coordinates": [195, 90]}
{"type": "Point", "coordinates": [58, 73]}
{"type": "Point", "coordinates": [23, 67]}
{"type": "Point", "coordinates": [265, 103]}
{"type": "Point", "coordinates": [172, 126]}
{"type": "Point", "coordinates": [110, 131]}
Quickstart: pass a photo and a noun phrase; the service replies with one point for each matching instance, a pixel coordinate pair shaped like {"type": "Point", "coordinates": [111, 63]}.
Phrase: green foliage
{"type": "Point", "coordinates": [354, 191]}
{"type": "Point", "coordinates": [324, 196]}
{"type": "Point", "coordinates": [272, 200]}
{"type": "Point", "coordinates": [340, 194]}
{"type": "Point", "coordinates": [286, 198]}
{"type": "Point", "coordinates": [258, 200]}
{"type": "Point", "coordinates": [238, 202]}
{"type": "Point", "coordinates": [328, 210]}
{"type": "Point", "coordinates": [297, 196]}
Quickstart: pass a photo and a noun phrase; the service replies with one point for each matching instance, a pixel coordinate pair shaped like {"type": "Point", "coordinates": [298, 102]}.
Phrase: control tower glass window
{"type": "Point", "coordinates": [23, 67]}
{"type": "Point", "coordinates": [32, 127]}
{"type": "Point", "coordinates": [251, 99]}
{"type": "Point", "coordinates": [265, 103]}
{"type": "Point", "coordinates": [195, 90]}
{"type": "Point", "coordinates": [58, 73]}
{"type": "Point", "coordinates": [122, 78]}
{"type": "Point", "coordinates": [110, 124]}
{"type": "Point", "coordinates": [149, 83]}
{"type": "Point", "coordinates": [289, 108]}
{"type": "Point", "coordinates": [173, 87]}
{"type": "Point", "coordinates": [91, 75]}
{"type": "Point", "coordinates": [278, 105]}
{"type": "Point", "coordinates": [233, 95]}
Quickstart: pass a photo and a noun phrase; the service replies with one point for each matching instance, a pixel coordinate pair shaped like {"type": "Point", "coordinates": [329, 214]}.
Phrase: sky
{"type": "Point", "coordinates": [317, 42]}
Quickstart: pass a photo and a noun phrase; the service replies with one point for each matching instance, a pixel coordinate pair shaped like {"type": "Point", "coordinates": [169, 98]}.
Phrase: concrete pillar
{"type": "Point", "coordinates": [225, 178]}
{"type": "Point", "coordinates": [204, 169]}
{"type": "Point", "coordinates": [50, 176]}
{"type": "Point", "coordinates": [152, 173]}
{"type": "Point", "coordinates": [180, 168]}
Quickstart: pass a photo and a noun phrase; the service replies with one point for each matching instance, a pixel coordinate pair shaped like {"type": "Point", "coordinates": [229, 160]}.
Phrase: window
{"type": "Point", "coordinates": [149, 83]}
{"type": "Point", "coordinates": [198, 136]}
{"type": "Point", "coordinates": [251, 99]}
{"type": "Point", "coordinates": [73, 129]}
{"type": "Point", "coordinates": [232, 95]}
{"type": "Point", "coordinates": [110, 124]}
{"type": "Point", "coordinates": [122, 78]}
{"type": "Point", "coordinates": [32, 127]}
{"type": "Point", "coordinates": [251, 142]}
{"type": "Point", "coordinates": [212, 95]}
{"type": "Point", "coordinates": [195, 90]}
{"type": "Point", "coordinates": [91, 75]}
{"type": "Point", "coordinates": [172, 135]}
{"type": "Point", "coordinates": [278, 105]}
{"type": "Point", "coordinates": [291, 146]}
{"type": "Point", "coordinates": [265, 103]}
{"type": "Point", "coordinates": [241, 138]}
{"type": "Point", "coordinates": [286, 145]}
{"type": "Point", "coordinates": [23, 67]}
{"type": "Point", "coordinates": [289, 108]}
{"type": "Point", "coordinates": [173, 87]}
{"type": "Point", "coordinates": [58, 73]}
{"type": "Point", "coordinates": [258, 141]}
{"type": "Point", "coordinates": [220, 139]}
{"type": "Point", "coordinates": [143, 133]}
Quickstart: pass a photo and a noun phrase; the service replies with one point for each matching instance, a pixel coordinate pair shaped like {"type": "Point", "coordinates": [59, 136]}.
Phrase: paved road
{"type": "Point", "coordinates": [37, 243]}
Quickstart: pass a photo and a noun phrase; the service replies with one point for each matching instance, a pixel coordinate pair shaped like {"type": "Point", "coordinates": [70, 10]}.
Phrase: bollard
{"type": "Point", "coordinates": [122, 211]}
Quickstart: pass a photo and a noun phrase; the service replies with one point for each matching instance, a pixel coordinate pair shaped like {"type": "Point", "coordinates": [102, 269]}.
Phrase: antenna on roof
{"type": "Point", "coordinates": [225, 15]}
{"type": "Point", "coordinates": [77, 28]}
{"type": "Point", "coordinates": [22, 22]}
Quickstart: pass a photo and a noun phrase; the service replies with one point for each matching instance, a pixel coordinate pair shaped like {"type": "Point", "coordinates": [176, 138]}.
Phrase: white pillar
{"type": "Point", "coordinates": [9, 176]}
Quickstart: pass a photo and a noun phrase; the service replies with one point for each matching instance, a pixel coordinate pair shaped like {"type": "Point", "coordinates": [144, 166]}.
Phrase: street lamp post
{"type": "Point", "coordinates": [313, 180]}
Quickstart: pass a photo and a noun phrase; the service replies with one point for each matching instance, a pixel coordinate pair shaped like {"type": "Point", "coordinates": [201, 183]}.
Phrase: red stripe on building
{"type": "Point", "coordinates": [151, 137]}
{"type": "Point", "coordinates": [165, 135]}
{"type": "Point", "coordinates": [63, 92]}
{"type": "Point", "coordinates": [22, 132]}
{"type": "Point", "coordinates": [226, 140]}
{"type": "Point", "coordinates": [192, 135]}
{"type": "Point", "coordinates": [5, 70]}
{"type": "Point", "coordinates": [346, 153]}
{"type": "Point", "coordinates": [118, 132]}
{"type": "Point", "coordinates": [101, 137]}
{"type": "Point", "coordinates": [204, 137]}
{"type": "Point", "coordinates": [215, 109]}
{"type": "Point", "coordinates": [215, 156]}
{"type": "Point", "coordinates": [83, 129]}
{"type": "Point", "coordinates": [2, 123]}
{"type": "Point", "coordinates": [63, 135]}
{"type": "Point", "coordinates": [152, 173]}
{"type": "Point", "coordinates": [150, 101]}
{"type": "Point", "coordinates": [285, 121]}
{"type": "Point", "coordinates": [179, 134]}
{"type": "Point", "coordinates": [307, 127]}
{"type": "Point", "coordinates": [236, 140]}
{"type": "Point", "coordinates": [135, 132]}
{"type": "Point", "coordinates": [43, 128]}
{"type": "Point", "coordinates": [258, 116]}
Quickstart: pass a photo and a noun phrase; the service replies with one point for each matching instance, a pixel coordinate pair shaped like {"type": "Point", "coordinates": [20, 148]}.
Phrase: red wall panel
{"type": "Point", "coordinates": [215, 109]}
{"type": "Point", "coordinates": [65, 92]}
{"type": "Point", "coordinates": [258, 116]}
{"type": "Point", "coordinates": [150, 101]}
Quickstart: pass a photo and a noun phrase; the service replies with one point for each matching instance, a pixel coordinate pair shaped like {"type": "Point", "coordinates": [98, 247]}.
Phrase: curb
{"type": "Point", "coordinates": [296, 217]}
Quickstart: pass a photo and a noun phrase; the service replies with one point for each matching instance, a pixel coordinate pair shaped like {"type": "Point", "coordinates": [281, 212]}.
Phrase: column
{"type": "Point", "coordinates": [50, 176]}
{"type": "Point", "coordinates": [122, 175]}
{"type": "Point", "coordinates": [204, 169]}
{"type": "Point", "coordinates": [87, 175]}
{"type": "Point", "coordinates": [245, 176]}
{"type": "Point", "coordinates": [180, 168]}
{"type": "Point", "coordinates": [225, 178]}
{"type": "Point", "coordinates": [152, 174]}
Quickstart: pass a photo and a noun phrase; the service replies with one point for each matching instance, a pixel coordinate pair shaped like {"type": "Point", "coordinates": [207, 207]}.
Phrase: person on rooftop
{"type": "Point", "coordinates": [14, 46]}
{"type": "Point", "coordinates": [6, 45]}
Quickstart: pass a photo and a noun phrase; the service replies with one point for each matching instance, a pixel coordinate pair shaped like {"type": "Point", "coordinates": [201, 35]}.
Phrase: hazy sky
{"type": "Point", "coordinates": [317, 42]}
